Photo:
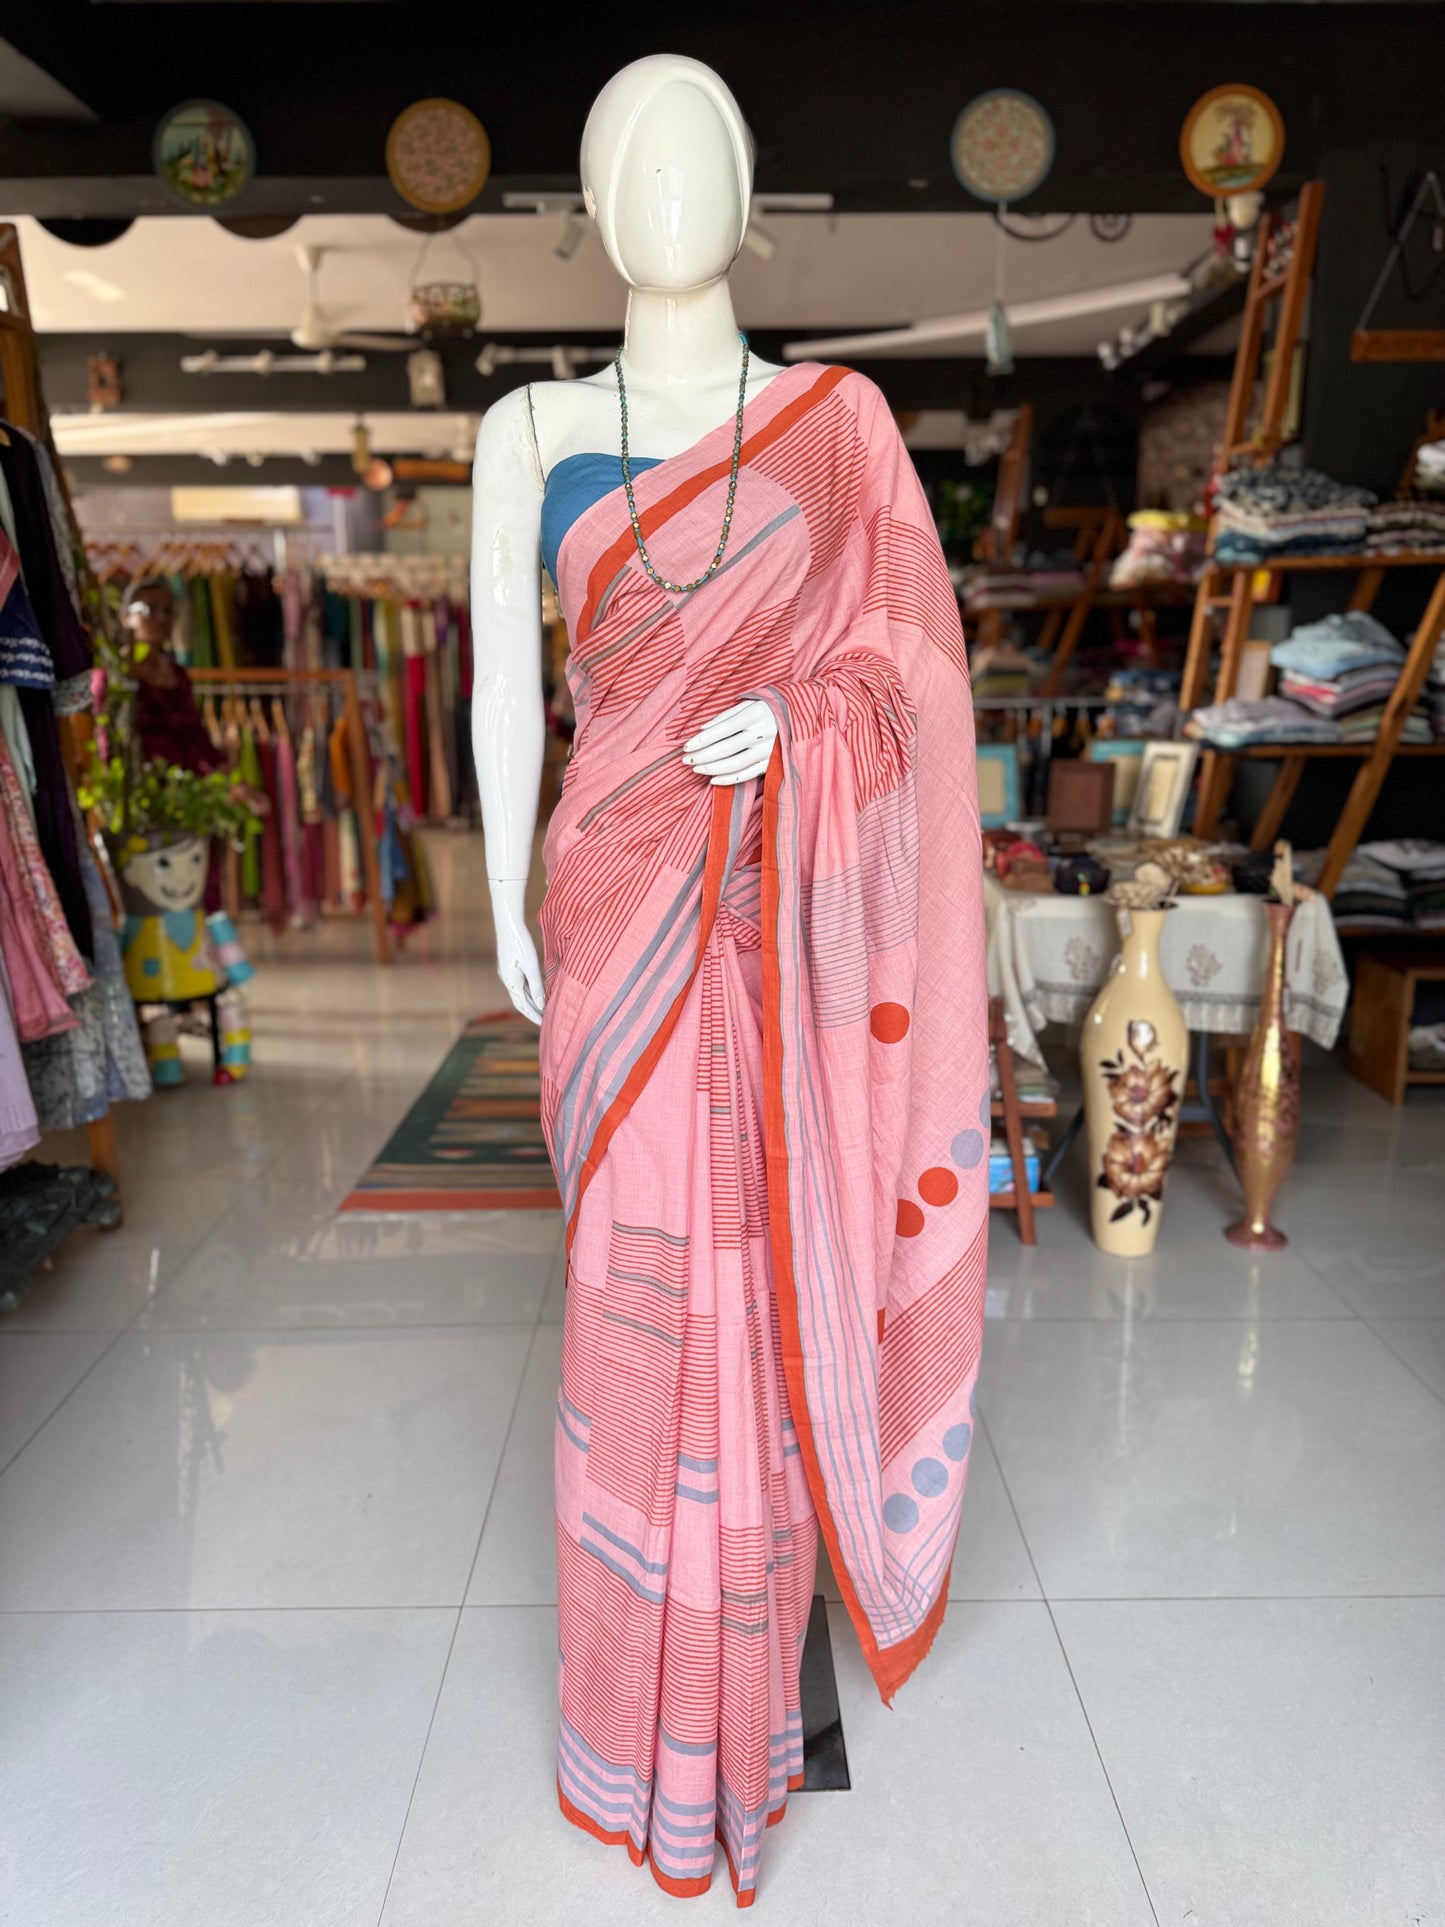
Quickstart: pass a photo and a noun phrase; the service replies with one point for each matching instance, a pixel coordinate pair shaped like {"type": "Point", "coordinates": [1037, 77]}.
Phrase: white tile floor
{"type": "Point", "coordinates": [276, 1583]}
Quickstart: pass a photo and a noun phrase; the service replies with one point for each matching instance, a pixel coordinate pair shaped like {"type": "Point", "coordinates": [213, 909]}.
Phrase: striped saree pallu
{"type": "Point", "coordinates": [765, 1090]}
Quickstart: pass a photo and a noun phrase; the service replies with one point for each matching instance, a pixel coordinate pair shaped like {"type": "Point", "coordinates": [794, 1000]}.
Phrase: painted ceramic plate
{"type": "Point", "coordinates": [1232, 140]}
{"type": "Point", "coordinates": [438, 155]}
{"type": "Point", "coordinates": [204, 154]}
{"type": "Point", "coordinates": [1003, 145]}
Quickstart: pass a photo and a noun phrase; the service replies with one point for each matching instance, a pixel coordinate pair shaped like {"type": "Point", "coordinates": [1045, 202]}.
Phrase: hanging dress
{"type": "Point", "coordinates": [765, 1087]}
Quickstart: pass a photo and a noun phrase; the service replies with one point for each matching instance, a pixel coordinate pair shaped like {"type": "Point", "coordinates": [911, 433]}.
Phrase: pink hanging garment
{"type": "Point", "coordinates": [40, 954]}
{"type": "Point", "coordinates": [302, 904]}
{"type": "Point", "coordinates": [19, 1128]}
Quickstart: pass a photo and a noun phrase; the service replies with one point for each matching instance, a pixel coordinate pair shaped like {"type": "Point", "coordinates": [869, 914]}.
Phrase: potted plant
{"type": "Point", "coordinates": [158, 822]}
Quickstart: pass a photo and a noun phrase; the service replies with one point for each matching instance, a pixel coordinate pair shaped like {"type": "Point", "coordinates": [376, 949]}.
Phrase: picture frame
{"type": "Point", "coordinates": [1126, 755]}
{"type": "Point", "coordinates": [999, 789]}
{"type": "Point", "coordinates": [1232, 141]}
{"type": "Point", "coordinates": [1081, 797]}
{"type": "Point", "coordinates": [1166, 771]}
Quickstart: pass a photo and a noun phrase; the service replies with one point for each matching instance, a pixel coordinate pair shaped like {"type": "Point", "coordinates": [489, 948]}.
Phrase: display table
{"type": "Point", "coordinates": [1048, 955]}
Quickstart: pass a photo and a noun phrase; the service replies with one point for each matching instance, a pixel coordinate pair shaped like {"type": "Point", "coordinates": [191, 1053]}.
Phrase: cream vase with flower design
{"type": "Point", "coordinates": [1134, 1055]}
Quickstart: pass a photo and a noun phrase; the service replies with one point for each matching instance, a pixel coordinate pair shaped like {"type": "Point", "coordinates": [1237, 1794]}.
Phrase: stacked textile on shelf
{"type": "Point", "coordinates": [1345, 668]}
{"type": "Point", "coordinates": [1394, 884]}
{"type": "Point", "coordinates": [1140, 703]}
{"type": "Point", "coordinates": [1371, 896]}
{"type": "Point", "coordinates": [1242, 722]}
{"type": "Point", "coordinates": [1410, 526]}
{"type": "Point", "coordinates": [1043, 578]}
{"type": "Point", "coordinates": [1264, 513]}
{"type": "Point", "coordinates": [1163, 547]}
{"type": "Point", "coordinates": [1429, 477]}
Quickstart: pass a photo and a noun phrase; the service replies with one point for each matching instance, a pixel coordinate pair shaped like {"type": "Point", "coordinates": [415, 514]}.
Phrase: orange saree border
{"type": "Point", "coordinates": [652, 518]}
{"type": "Point", "coordinates": [889, 1665]}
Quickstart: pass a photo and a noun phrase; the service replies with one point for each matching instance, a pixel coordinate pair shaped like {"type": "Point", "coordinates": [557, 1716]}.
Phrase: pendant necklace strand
{"type": "Point", "coordinates": [685, 588]}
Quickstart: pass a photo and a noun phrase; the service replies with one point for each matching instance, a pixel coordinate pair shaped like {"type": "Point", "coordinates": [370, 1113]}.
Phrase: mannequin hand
{"type": "Point", "coordinates": [517, 964]}
{"type": "Point", "coordinates": [735, 746]}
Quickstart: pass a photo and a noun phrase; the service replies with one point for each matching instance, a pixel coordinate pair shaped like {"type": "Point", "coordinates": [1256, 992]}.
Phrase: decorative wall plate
{"type": "Point", "coordinates": [1002, 146]}
{"type": "Point", "coordinates": [204, 154]}
{"type": "Point", "coordinates": [1232, 140]}
{"type": "Point", "coordinates": [438, 155]}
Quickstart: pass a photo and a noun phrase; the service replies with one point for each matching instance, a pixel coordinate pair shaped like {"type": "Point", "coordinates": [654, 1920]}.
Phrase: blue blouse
{"type": "Point", "coordinates": [573, 485]}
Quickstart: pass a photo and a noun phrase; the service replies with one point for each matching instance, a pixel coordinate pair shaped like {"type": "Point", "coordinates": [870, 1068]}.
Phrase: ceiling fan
{"type": "Point", "coordinates": [319, 330]}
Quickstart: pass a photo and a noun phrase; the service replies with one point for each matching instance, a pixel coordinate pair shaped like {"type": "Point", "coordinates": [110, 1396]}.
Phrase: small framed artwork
{"type": "Point", "coordinates": [1081, 798]}
{"type": "Point", "coordinates": [1126, 756]}
{"type": "Point", "coordinates": [998, 785]}
{"type": "Point", "coordinates": [1165, 773]}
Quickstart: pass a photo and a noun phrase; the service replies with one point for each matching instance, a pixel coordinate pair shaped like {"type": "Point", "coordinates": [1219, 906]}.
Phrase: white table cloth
{"type": "Point", "coordinates": [1048, 955]}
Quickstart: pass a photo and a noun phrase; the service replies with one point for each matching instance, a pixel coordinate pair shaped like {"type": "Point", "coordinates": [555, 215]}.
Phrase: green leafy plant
{"type": "Point", "coordinates": [154, 798]}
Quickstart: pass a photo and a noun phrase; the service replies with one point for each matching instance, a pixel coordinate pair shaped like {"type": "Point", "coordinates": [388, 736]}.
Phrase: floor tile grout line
{"type": "Point", "coordinates": [1068, 1667]}
{"type": "Point", "coordinates": [461, 1608]}
{"type": "Point", "coordinates": [1374, 1330]}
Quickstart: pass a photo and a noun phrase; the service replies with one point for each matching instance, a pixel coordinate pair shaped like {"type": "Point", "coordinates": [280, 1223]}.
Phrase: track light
{"type": "Point", "coordinates": [562, 368]}
{"type": "Point", "coordinates": [487, 361]}
{"type": "Point", "coordinates": [569, 240]}
{"type": "Point", "coordinates": [757, 240]}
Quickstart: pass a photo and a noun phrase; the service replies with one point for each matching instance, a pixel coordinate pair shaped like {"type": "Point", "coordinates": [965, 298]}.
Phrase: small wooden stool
{"type": "Point", "coordinates": [1382, 1007]}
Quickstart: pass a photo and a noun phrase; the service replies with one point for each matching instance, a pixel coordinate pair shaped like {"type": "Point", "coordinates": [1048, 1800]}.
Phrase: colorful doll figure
{"type": "Point", "coordinates": [169, 956]}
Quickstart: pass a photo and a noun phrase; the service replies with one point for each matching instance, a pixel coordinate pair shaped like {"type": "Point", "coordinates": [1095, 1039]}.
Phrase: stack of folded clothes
{"type": "Point", "coordinates": [1435, 692]}
{"type": "Point", "coordinates": [1429, 477]}
{"type": "Point", "coordinates": [1242, 722]}
{"type": "Point", "coordinates": [1419, 866]}
{"type": "Point", "coordinates": [1043, 578]}
{"type": "Point", "coordinates": [1163, 547]}
{"type": "Point", "coordinates": [1141, 703]}
{"type": "Point", "coordinates": [1344, 668]}
{"type": "Point", "coordinates": [1263, 513]}
{"type": "Point", "coordinates": [1371, 896]}
{"type": "Point", "coordinates": [1415, 524]}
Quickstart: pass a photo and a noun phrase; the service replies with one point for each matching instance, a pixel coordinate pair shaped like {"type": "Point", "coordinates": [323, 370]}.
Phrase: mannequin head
{"type": "Point", "coordinates": [667, 174]}
{"type": "Point", "coordinates": [149, 612]}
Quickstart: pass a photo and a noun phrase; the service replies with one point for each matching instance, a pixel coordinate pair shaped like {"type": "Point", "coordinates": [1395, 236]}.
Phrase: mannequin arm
{"type": "Point", "coordinates": [508, 726]}
{"type": "Point", "coordinates": [735, 746]}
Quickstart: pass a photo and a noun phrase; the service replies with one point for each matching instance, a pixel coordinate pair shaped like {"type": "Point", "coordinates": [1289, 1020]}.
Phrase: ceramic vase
{"type": "Point", "coordinates": [1134, 1055]}
{"type": "Point", "coordinates": [1266, 1100]}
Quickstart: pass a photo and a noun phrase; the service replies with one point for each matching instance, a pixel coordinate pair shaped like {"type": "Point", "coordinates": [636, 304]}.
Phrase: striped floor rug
{"type": "Point", "coordinates": [473, 1139]}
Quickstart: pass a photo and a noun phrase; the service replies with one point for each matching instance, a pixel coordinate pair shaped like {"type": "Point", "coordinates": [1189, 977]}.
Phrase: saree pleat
{"type": "Point", "coordinates": [765, 1089]}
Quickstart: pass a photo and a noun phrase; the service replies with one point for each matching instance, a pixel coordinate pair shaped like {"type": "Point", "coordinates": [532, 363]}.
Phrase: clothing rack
{"type": "Point", "coordinates": [24, 405]}
{"type": "Point", "coordinates": [383, 573]}
{"type": "Point", "coordinates": [296, 682]}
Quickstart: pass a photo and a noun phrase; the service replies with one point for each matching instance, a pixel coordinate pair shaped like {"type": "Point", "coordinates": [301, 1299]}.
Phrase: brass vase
{"type": "Point", "coordinates": [1266, 1101]}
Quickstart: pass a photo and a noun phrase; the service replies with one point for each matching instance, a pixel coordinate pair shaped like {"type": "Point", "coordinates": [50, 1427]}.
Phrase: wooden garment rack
{"type": "Point", "coordinates": [294, 682]}
{"type": "Point", "coordinates": [1220, 589]}
{"type": "Point", "coordinates": [23, 404]}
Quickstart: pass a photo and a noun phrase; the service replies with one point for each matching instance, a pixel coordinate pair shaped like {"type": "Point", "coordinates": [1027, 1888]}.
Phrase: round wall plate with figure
{"type": "Point", "coordinates": [1002, 146]}
{"type": "Point", "coordinates": [204, 154]}
{"type": "Point", "coordinates": [1232, 140]}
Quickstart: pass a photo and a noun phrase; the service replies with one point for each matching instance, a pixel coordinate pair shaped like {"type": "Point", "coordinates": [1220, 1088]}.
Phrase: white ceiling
{"type": "Point", "coordinates": [188, 275]}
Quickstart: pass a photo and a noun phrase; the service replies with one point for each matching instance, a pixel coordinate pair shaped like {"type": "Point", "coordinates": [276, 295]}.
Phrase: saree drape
{"type": "Point", "coordinates": [765, 1086]}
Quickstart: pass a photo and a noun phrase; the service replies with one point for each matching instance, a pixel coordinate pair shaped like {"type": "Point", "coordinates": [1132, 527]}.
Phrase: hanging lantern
{"type": "Point", "coordinates": [1002, 150]}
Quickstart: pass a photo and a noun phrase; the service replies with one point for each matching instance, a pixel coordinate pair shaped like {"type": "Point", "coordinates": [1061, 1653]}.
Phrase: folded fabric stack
{"type": "Point", "coordinates": [1043, 578]}
{"type": "Point", "coordinates": [1414, 525]}
{"type": "Point", "coordinates": [1363, 725]}
{"type": "Point", "coordinates": [1430, 468]}
{"type": "Point", "coordinates": [1163, 547]}
{"type": "Point", "coordinates": [1240, 723]}
{"type": "Point", "coordinates": [1262, 513]}
{"type": "Point", "coordinates": [1435, 691]}
{"type": "Point", "coordinates": [1344, 666]}
{"type": "Point", "coordinates": [1419, 867]}
{"type": "Point", "coordinates": [1371, 896]}
{"type": "Point", "coordinates": [1141, 703]}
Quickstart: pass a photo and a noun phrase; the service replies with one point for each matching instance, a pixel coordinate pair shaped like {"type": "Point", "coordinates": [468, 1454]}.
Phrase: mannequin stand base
{"type": "Point", "coordinates": [1247, 1238]}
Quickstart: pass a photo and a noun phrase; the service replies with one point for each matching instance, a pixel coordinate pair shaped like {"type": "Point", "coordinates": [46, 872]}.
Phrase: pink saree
{"type": "Point", "coordinates": [765, 1089]}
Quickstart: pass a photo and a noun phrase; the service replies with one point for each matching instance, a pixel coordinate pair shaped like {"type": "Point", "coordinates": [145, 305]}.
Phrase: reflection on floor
{"type": "Point", "coordinates": [276, 1589]}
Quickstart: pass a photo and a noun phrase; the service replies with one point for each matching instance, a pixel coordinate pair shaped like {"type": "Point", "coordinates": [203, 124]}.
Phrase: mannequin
{"type": "Point", "coordinates": [672, 218]}
{"type": "Point", "coordinates": [764, 1062]}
